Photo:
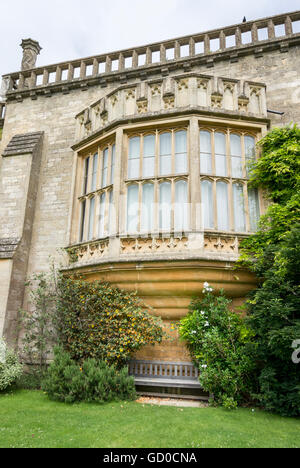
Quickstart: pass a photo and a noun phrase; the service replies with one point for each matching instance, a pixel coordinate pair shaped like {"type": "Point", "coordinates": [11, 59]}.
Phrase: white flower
{"type": "Point", "coordinates": [202, 313]}
{"type": "Point", "coordinates": [204, 366]}
{"type": "Point", "coordinates": [206, 324]}
{"type": "Point", "coordinates": [207, 288]}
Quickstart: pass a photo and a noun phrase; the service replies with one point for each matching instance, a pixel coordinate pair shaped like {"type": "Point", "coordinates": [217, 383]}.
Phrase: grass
{"type": "Point", "coordinates": [29, 419]}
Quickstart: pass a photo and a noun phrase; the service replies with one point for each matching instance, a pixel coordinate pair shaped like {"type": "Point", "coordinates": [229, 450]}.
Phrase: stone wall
{"type": "Point", "coordinates": [52, 108]}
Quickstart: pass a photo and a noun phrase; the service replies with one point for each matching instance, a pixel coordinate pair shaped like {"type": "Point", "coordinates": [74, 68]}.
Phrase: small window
{"type": "Point", "coordinates": [102, 215]}
{"type": "Point", "coordinates": [104, 168]}
{"type": "Point", "coordinates": [165, 153]}
{"type": "Point", "coordinates": [91, 218]}
{"type": "Point", "coordinates": [165, 203]}
{"type": "Point", "coordinates": [236, 156]}
{"type": "Point", "coordinates": [181, 152]}
{"type": "Point", "coordinates": [222, 206]}
{"type": "Point", "coordinates": [147, 208]}
{"type": "Point", "coordinates": [82, 220]}
{"type": "Point", "coordinates": [113, 161]}
{"type": "Point", "coordinates": [207, 204]}
{"type": "Point", "coordinates": [205, 153]}
{"type": "Point", "coordinates": [132, 208]}
{"type": "Point", "coordinates": [86, 175]}
{"type": "Point", "coordinates": [239, 208]}
{"type": "Point", "coordinates": [149, 156]}
{"type": "Point", "coordinates": [94, 174]}
{"type": "Point", "coordinates": [181, 209]}
{"type": "Point", "coordinates": [253, 201]}
{"type": "Point", "coordinates": [134, 158]}
{"type": "Point", "coordinates": [220, 154]}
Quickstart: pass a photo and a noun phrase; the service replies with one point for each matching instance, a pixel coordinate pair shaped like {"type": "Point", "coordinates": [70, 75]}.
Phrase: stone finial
{"type": "Point", "coordinates": [31, 50]}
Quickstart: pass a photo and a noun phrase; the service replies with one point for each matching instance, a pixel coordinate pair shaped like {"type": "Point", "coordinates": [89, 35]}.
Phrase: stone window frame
{"type": "Point", "coordinates": [157, 132]}
{"type": "Point", "coordinates": [228, 179]}
{"type": "Point", "coordinates": [86, 198]}
{"type": "Point", "coordinates": [156, 182]}
{"type": "Point", "coordinates": [118, 135]}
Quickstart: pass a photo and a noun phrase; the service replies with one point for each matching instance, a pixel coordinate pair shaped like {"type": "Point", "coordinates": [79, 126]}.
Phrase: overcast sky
{"type": "Point", "coordinates": [69, 29]}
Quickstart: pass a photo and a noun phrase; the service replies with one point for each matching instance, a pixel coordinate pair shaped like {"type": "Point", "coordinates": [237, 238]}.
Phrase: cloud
{"type": "Point", "coordinates": [69, 29]}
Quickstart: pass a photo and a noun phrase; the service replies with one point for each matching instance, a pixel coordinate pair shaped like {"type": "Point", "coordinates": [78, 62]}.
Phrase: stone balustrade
{"type": "Point", "coordinates": [208, 245]}
{"type": "Point", "coordinates": [190, 91]}
{"type": "Point", "coordinates": [252, 37]}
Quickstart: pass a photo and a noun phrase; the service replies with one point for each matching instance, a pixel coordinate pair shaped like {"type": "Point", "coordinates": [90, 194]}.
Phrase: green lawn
{"type": "Point", "coordinates": [29, 419]}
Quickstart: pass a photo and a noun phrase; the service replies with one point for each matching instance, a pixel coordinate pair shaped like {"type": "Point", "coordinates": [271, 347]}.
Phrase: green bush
{"type": "Point", "coordinates": [102, 322]}
{"type": "Point", "coordinates": [10, 367]}
{"type": "Point", "coordinates": [93, 381]}
{"type": "Point", "coordinates": [274, 311]}
{"type": "Point", "coordinates": [31, 379]}
{"type": "Point", "coordinates": [220, 344]}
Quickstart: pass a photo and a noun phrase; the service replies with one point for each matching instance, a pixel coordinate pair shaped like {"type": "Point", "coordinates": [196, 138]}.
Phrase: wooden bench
{"type": "Point", "coordinates": [165, 374]}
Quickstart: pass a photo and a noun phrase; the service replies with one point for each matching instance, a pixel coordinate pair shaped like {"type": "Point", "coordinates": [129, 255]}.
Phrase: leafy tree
{"type": "Point", "coordinates": [273, 253]}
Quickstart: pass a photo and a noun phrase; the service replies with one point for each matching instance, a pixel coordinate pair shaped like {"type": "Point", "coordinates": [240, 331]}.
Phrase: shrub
{"type": "Point", "coordinates": [93, 381]}
{"type": "Point", "coordinates": [220, 345]}
{"type": "Point", "coordinates": [31, 379]}
{"type": "Point", "coordinates": [274, 311]}
{"type": "Point", "coordinates": [104, 323]}
{"type": "Point", "coordinates": [10, 367]}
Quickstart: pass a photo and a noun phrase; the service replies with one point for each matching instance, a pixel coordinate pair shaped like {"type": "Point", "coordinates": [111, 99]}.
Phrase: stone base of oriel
{"type": "Point", "coordinates": [168, 288]}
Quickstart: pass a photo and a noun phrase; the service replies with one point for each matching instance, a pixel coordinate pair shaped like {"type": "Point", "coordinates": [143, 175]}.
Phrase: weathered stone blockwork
{"type": "Point", "coordinates": [53, 116]}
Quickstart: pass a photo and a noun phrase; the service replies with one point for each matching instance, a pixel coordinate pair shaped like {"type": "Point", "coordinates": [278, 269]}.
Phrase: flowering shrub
{"type": "Point", "coordinates": [220, 345]}
{"type": "Point", "coordinates": [102, 322]}
{"type": "Point", "coordinates": [93, 381]}
{"type": "Point", "coordinates": [10, 368]}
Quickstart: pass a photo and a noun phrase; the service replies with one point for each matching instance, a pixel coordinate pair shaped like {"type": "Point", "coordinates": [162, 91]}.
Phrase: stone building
{"type": "Point", "coordinates": [131, 166]}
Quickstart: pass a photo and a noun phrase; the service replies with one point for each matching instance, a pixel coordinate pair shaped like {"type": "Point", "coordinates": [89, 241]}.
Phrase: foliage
{"type": "Point", "coordinates": [274, 310]}
{"type": "Point", "coordinates": [31, 379]}
{"type": "Point", "coordinates": [102, 322]}
{"type": "Point", "coordinates": [220, 344]}
{"type": "Point", "coordinates": [277, 172]}
{"type": "Point", "coordinates": [94, 381]}
{"type": "Point", "coordinates": [10, 367]}
{"type": "Point", "coordinates": [39, 323]}
{"type": "Point", "coordinates": [273, 253]}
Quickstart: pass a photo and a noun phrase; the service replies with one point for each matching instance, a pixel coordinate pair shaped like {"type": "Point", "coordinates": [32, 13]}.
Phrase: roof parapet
{"type": "Point", "coordinates": [229, 43]}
